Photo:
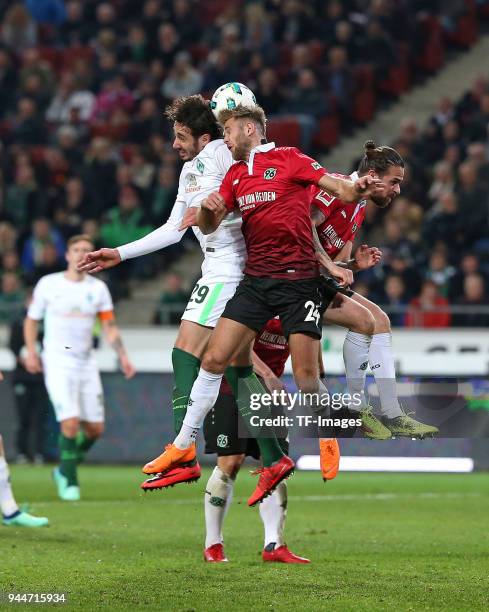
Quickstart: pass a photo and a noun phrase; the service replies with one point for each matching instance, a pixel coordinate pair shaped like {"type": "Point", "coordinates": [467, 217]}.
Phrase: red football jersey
{"type": "Point", "coordinates": [271, 191]}
{"type": "Point", "coordinates": [343, 219]}
{"type": "Point", "coordinates": [272, 347]}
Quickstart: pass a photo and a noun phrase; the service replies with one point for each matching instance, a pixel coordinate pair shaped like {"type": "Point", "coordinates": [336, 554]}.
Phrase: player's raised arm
{"type": "Point", "coordinates": [113, 337]}
{"type": "Point", "coordinates": [167, 234]}
{"type": "Point", "coordinates": [350, 191]}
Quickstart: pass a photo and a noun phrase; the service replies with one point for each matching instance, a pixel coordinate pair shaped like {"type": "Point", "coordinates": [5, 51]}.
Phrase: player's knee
{"type": "Point", "coordinates": [70, 427]}
{"type": "Point", "coordinates": [306, 377]}
{"type": "Point", "coordinates": [94, 430]}
{"type": "Point", "coordinates": [364, 322]}
{"type": "Point", "coordinates": [213, 362]}
{"type": "Point", "coordinates": [382, 322]}
{"type": "Point", "coordinates": [230, 465]}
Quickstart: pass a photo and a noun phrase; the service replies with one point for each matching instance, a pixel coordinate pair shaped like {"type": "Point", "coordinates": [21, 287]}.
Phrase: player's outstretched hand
{"type": "Point", "coordinates": [189, 218]}
{"type": "Point", "coordinates": [127, 368]}
{"type": "Point", "coordinates": [214, 202]}
{"type": "Point", "coordinates": [368, 185]}
{"type": "Point", "coordinates": [367, 257]}
{"type": "Point", "coordinates": [32, 363]}
{"type": "Point", "coordinates": [96, 261]}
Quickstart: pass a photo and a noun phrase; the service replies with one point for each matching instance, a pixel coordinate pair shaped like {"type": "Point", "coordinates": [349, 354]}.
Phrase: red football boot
{"type": "Point", "coordinates": [283, 555]}
{"type": "Point", "coordinates": [215, 554]}
{"type": "Point", "coordinates": [177, 475]}
{"type": "Point", "coordinates": [270, 477]}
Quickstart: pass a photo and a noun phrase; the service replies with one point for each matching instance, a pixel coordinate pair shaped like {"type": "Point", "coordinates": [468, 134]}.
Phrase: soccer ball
{"type": "Point", "coordinates": [230, 96]}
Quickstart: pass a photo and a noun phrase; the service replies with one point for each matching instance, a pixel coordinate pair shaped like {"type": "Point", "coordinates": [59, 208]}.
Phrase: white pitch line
{"type": "Point", "coordinates": [294, 498]}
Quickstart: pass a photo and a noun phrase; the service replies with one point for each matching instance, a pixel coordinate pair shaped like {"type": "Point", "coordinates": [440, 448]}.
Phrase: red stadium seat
{"type": "Point", "coordinates": [72, 54]}
{"type": "Point", "coordinates": [328, 133]}
{"type": "Point", "coordinates": [364, 104]}
{"type": "Point", "coordinates": [433, 56]}
{"type": "Point", "coordinates": [397, 82]}
{"type": "Point", "coordinates": [284, 132]}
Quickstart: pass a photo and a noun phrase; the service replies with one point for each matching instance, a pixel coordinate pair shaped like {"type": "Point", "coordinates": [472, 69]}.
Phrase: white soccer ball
{"type": "Point", "coordinates": [230, 96]}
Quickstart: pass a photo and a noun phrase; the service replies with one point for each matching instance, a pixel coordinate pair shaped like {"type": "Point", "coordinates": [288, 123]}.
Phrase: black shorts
{"type": "Point", "coordinates": [221, 431]}
{"type": "Point", "coordinates": [298, 303]}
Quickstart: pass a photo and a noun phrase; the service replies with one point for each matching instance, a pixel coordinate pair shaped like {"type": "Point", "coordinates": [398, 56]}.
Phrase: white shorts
{"type": "Point", "coordinates": [75, 392]}
{"type": "Point", "coordinates": [208, 300]}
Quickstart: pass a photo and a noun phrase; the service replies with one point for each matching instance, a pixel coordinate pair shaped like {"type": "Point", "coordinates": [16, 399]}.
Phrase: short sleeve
{"type": "Point", "coordinates": [322, 200]}
{"type": "Point", "coordinates": [105, 301]}
{"type": "Point", "coordinates": [227, 191]}
{"type": "Point", "coordinates": [37, 308]}
{"type": "Point", "coordinates": [304, 169]}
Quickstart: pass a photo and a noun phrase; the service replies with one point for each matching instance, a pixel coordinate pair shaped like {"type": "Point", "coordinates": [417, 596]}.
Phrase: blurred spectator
{"type": "Point", "coordinates": [68, 98]}
{"type": "Point", "coordinates": [49, 263]}
{"type": "Point", "coordinates": [440, 271]}
{"type": "Point", "coordinates": [168, 43]}
{"type": "Point", "coordinates": [18, 30]}
{"type": "Point", "coordinates": [99, 175]}
{"type": "Point", "coordinates": [269, 92]}
{"type": "Point", "coordinates": [114, 96]}
{"type": "Point", "coordinates": [8, 82]}
{"type": "Point", "coordinates": [28, 127]}
{"type": "Point", "coordinates": [429, 309]}
{"type": "Point", "coordinates": [183, 79]}
{"type": "Point", "coordinates": [51, 12]}
{"type": "Point", "coordinates": [31, 399]}
{"type": "Point", "coordinates": [8, 237]}
{"type": "Point", "coordinates": [164, 195]}
{"type": "Point", "coordinates": [294, 24]}
{"type": "Point", "coordinates": [72, 208]}
{"type": "Point", "coordinates": [74, 30]}
{"type": "Point", "coordinates": [474, 296]}
{"type": "Point", "coordinates": [445, 224]}
{"type": "Point", "coordinates": [172, 301]}
{"type": "Point", "coordinates": [308, 103]}
{"type": "Point", "coordinates": [443, 180]}
{"type": "Point", "coordinates": [23, 199]}
{"type": "Point", "coordinates": [395, 299]}
{"type": "Point", "coordinates": [339, 79]}
{"type": "Point", "coordinates": [10, 262]}
{"type": "Point", "coordinates": [126, 222]}
{"type": "Point", "coordinates": [472, 198]}
{"type": "Point", "coordinates": [42, 233]}
{"type": "Point", "coordinates": [469, 264]}
{"type": "Point", "coordinates": [378, 49]}
{"type": "Point", "coordinates": [11, 297]}
{"type": "Point", "coordinates": [186, 21]}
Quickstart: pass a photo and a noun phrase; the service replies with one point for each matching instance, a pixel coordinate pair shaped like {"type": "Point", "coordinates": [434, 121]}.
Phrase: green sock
{"type": "Point", "coordinates": [186, 369]}
{"type": "Point", "coordinates": [83, 445]}
{"type": "Point", "coordinates": [244, 382]}
{"type": "Point", "coordinates": [69, 458]}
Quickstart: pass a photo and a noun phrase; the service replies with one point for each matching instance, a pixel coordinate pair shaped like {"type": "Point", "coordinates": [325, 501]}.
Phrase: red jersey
{"type": "Point", "coordinates": [343, 219]}
{"type": "Point", "coordinates": [272, 347]}
{"type": "Point", "coordinates": [271, 192]}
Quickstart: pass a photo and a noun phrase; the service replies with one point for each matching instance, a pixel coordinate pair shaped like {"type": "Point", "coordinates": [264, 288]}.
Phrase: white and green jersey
{"type": "Point", "coordinates": [224, 250]}
{"type": "Point", "coordinates": [69, 310]}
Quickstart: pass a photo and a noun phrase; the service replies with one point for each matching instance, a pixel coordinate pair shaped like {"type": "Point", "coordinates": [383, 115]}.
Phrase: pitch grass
{"type": "Point", "coordinates": [377, 541]}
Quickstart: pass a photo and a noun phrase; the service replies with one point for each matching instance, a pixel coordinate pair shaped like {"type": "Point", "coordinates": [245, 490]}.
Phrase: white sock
{"type": "Point", "coordinates": [202, 398]}
{"type": "Point", "coordinates": [381, 362]}
{"type": "Point", "coordinates": [217, 499]}
{"type": "Point", "coordinates": [8, 505]}
{"type": "Point", "coordinates": [355, 355]}
{"type": "Point", "coordinates": [273, 511]}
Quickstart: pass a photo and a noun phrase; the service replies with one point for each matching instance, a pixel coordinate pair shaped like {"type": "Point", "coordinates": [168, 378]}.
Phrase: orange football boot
{"type": "Point", "coordinates": [170, 458]}
{"type": "Point", "coordinates": [329, 451]}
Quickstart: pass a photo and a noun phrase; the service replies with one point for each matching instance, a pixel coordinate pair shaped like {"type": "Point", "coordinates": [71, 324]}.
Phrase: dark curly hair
{"type": "Point", "coordinates": [378, 159]}
{"type": "Point", "coordinates": [194, 112]}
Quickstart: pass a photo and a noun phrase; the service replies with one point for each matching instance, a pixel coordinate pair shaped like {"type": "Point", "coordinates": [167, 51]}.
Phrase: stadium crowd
{"type": "Point", "coordinates": [85, 147]}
